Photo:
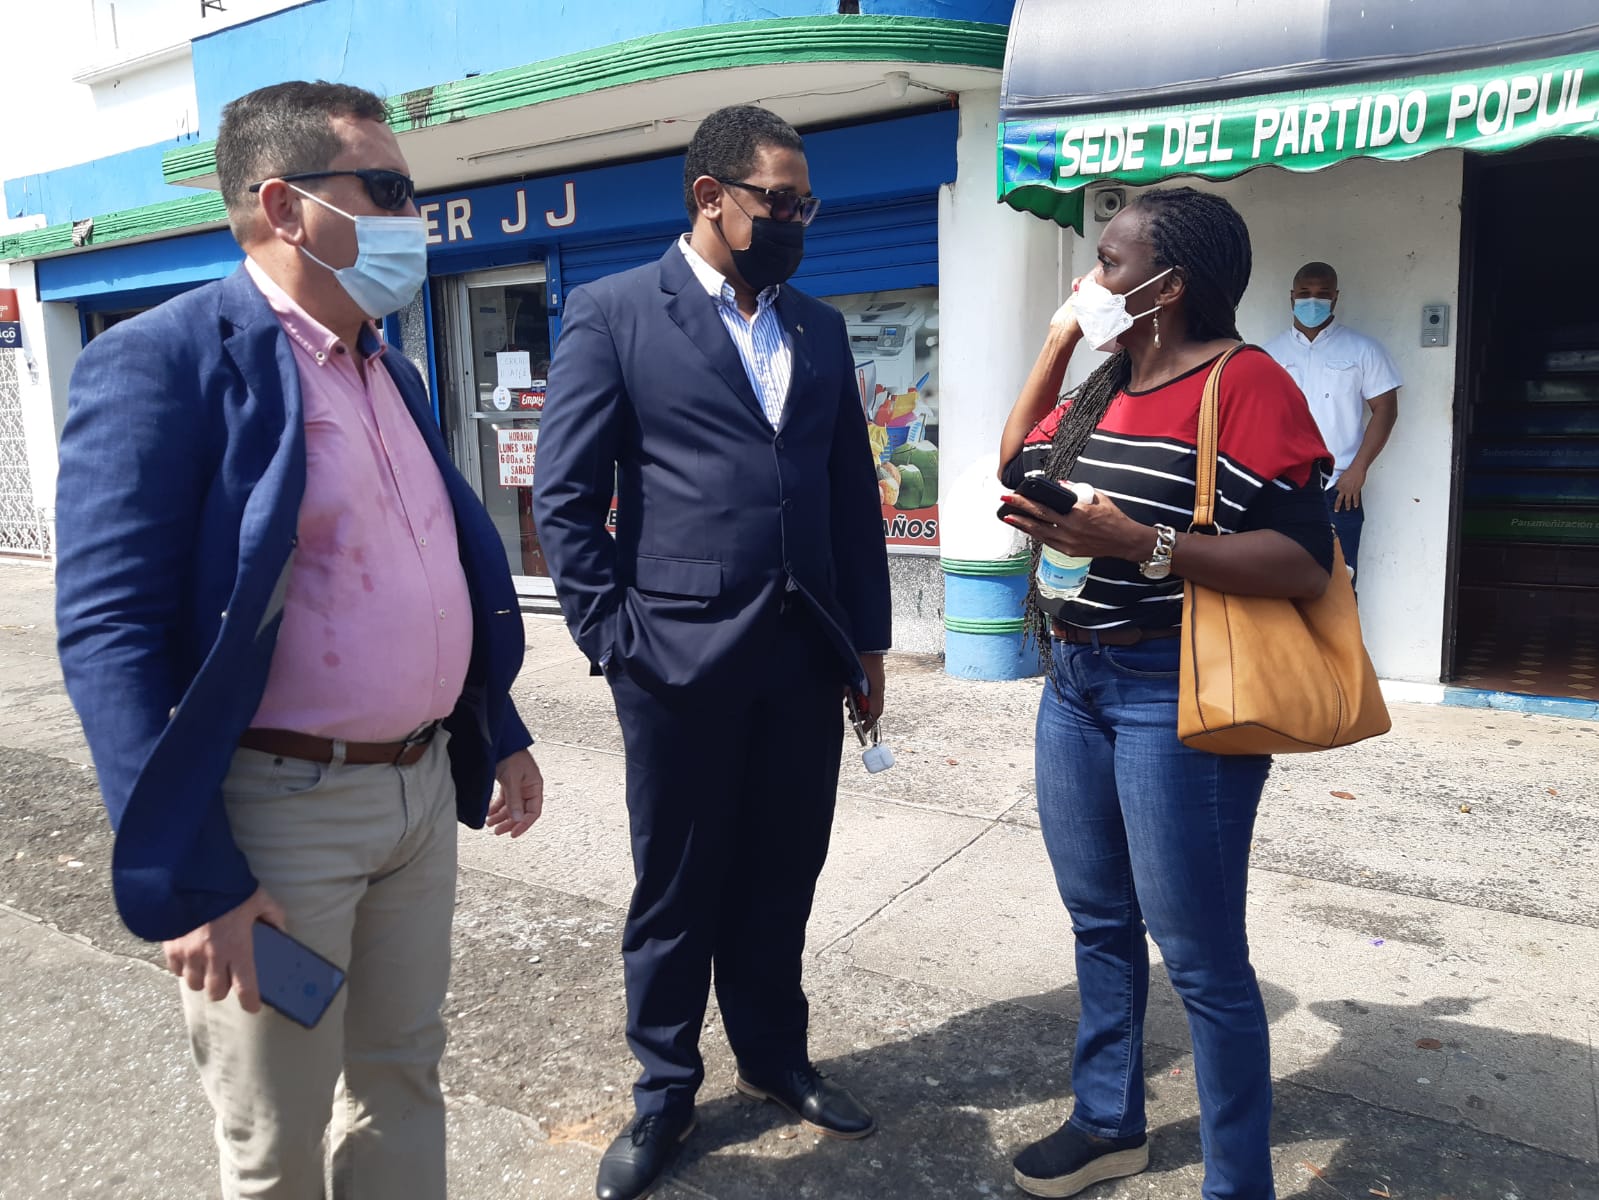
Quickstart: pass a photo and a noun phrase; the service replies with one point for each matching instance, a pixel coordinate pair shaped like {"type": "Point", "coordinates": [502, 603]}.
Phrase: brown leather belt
{"type": "Point", "coordinates": [288, 744]}
{"type": "Point", "coordinates": [1122, 635]}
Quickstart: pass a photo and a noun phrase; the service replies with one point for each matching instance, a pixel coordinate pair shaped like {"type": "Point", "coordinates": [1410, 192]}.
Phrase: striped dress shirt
{"type": "Point", "coordinates": [763, 344]}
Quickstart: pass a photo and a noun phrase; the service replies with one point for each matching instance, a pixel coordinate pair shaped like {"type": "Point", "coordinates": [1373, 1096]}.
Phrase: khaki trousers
{"type": "Point", "coordinates": [362, 858]}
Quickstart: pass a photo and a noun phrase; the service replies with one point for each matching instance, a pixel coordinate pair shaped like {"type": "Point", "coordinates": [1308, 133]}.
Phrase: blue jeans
{"type": "Point", "coordinates": [1142, 831]}
{"type": "Point", "coordinates": [1347, 524]}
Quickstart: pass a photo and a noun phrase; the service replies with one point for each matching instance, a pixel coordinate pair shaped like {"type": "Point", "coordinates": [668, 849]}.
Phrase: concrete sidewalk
{"type": "Point", "coordinates": [1424, 916]}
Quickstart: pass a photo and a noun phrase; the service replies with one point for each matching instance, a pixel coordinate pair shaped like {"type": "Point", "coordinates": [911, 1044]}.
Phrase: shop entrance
{"type": "Point", "coordinates": [496, 355]}
{"type": "Point", "coordinates": [1526, 575]}
{"type": "Point", "coordinates": [96, 323]}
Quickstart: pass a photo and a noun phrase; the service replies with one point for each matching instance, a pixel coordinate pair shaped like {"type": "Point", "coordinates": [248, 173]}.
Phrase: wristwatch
{"type": "Point", "coordinates": [1158, 564]}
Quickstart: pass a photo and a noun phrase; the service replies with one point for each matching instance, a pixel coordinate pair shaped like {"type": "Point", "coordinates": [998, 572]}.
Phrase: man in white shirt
{"type": "Point", "coordinates": [1344, 375]}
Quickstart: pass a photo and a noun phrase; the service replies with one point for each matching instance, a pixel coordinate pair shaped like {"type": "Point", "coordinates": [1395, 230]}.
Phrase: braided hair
{"type": "Point", "coordinates": [1204, 241]}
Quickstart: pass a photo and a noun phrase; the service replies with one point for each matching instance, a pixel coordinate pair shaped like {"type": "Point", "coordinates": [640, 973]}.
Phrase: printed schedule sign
{"type": "Point", "coordinates": [516, 448]}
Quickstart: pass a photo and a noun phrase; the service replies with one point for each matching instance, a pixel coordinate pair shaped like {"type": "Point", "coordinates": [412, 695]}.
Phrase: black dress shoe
{"type": "Point", "coordinates": [821, 1104]}
{"type": "Point", "coordinates": [633, 1164]}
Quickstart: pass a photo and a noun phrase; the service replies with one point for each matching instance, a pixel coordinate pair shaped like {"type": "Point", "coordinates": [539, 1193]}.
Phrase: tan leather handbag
{"type": "Point", "coordinates": [1262, 674]}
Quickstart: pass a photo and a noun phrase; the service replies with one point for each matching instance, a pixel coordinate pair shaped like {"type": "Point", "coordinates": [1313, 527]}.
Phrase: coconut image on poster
{"type": "Point", "coordinates": [894, 339]}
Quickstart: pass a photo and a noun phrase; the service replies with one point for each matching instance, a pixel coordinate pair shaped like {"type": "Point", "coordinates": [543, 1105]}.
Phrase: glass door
{"type": "Point", "coordinates": [498, 329]}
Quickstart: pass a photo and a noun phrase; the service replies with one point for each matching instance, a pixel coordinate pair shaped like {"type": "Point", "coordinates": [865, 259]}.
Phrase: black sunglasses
{"type": "Point", "coordinates": [389, 190]}
{"type": "Point", "coordinates": [783, 203]}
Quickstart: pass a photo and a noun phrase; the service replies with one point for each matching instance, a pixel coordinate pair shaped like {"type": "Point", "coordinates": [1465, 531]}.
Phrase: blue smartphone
{"type": "Point", "coordinates": [293, 978]}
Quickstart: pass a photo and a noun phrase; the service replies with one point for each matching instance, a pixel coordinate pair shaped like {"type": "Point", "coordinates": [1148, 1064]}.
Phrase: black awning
{"type": "Point", "coordinates": [1135, 91]}
{"type": "Point", "coordinates": [1090, 56]}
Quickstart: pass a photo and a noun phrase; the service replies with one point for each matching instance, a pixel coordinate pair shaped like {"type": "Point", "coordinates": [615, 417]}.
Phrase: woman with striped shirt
{"type": "Point", "coordinates": [1142, 831]}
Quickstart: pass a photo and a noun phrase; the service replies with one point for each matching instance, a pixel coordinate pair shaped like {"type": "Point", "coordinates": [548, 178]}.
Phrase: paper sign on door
{"type": "Point", "coordinates": [515, 368]}
{"type": "Point", "coordinates": [516, 447]}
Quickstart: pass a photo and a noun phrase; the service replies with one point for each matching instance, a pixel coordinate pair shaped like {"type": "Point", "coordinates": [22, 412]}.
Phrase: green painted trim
{"type": "Point", "coordinates": [980, 567]}
{"type": "Point", "coordinates": [1496, 108]}
{"type": "Point", "coordinates": [189, 162]}
{"type": "Point", "coordinates": [993, 626]}
{"type": "Point", "coordinates": [169, 216]}
{"type": "Point", "coordinates": [663, 55]}
{"type": "Point", "coordinates": [1063, 208]}
{"type": "Point", "coordinates": [658, 56]}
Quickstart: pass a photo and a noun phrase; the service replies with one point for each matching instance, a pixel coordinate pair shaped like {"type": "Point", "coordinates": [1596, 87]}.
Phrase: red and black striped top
{"type": "Point", "coordinates": [1142, 457]}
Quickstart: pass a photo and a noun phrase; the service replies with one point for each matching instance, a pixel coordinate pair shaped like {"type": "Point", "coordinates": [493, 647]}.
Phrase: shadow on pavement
{"type": "Point", "coordinates": [956, 1101]}
{"type": "Point", "coordinates": [957, 1094]}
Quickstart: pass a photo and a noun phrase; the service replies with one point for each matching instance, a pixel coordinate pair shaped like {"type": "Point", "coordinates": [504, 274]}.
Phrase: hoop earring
{"type": "Point", "coordinates": [1157, 331]}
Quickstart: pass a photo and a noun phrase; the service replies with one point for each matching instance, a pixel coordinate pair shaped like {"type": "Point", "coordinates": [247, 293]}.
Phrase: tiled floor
{"type": "Point", "coordinates": [1543, 657]}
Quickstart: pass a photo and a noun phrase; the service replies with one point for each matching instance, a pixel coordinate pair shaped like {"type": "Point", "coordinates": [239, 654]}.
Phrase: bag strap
{"type": "Point", "coordinates": [1207, 446]}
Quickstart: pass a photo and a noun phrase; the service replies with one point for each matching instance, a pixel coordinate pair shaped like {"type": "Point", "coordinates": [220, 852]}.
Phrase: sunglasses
{"type": "Point", "coordinates": [784, 204]}
{"type": "Point", "coordinates": [389, 190]}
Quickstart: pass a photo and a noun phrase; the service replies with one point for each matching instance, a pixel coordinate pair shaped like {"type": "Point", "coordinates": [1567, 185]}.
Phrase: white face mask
{"type": "Point", "coordinates": [391, 260]}
{"type": "Point", "coordinates": [1102, 314]}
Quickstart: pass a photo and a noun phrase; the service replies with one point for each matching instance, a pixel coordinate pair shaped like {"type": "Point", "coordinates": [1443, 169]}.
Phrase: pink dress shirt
{"type": "Point", "coordinates": [377, 625]}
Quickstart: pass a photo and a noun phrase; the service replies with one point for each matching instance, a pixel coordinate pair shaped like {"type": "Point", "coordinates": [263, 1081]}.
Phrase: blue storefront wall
{"type": "Point", "coordinates": [585, 211]}
{"type": "Point", "coordinates": [131, 179]}
{"type": "Point", "coordinates": [877, 229]}
{"type": "Point", "coordinates": [394, 46]}
{"type": "Point", "coordinates": [869, 247]}
{"type": "Point", "coordinates": [140, 275]}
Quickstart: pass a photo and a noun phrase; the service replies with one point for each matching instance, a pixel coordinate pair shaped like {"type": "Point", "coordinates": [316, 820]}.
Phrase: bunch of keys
{"type": "Point", "coordinates": [876, 756]}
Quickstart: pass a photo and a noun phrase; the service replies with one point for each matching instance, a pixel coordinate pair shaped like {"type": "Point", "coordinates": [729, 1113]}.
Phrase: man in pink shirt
{"type": "Point", "coordinates": [290, 630]}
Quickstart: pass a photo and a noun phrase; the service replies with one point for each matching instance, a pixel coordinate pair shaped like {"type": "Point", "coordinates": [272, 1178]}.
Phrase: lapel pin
{"type": "Point", "coordinates": [800, 328]}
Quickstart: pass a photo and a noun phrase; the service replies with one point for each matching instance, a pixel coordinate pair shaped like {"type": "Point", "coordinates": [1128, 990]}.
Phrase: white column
{"type": "Point", "coordinates": [46, 407]}
{"type": "Point", "coordinates": [999, 283]}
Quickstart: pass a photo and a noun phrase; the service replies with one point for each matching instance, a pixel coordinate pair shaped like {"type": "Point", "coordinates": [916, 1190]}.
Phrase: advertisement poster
{"type": "Point", "coordinates": [10, 319]}
{"type": "Point", "coordinates": [894, 339]}
{"type": "Point", "coordinates": [516, 448]}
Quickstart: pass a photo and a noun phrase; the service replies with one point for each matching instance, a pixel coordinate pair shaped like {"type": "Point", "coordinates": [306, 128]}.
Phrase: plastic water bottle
{"type": "Point", "coordinates": [1061, 576]}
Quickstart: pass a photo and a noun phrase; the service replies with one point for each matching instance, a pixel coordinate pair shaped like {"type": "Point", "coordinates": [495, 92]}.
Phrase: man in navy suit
{"type": "Point", "coordinates": [290, 630]}
{"type": "Point", "coordinates": [745, 591]}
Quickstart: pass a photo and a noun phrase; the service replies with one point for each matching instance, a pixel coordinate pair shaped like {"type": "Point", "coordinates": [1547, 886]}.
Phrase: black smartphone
{"type": "Point", "coordinates": [1040, 489]}
{"type": "Point", "coordinates": [293, 978]}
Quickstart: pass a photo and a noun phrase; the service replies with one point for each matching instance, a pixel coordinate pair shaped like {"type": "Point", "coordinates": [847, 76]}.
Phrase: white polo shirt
{"type": "Point", "coordinates": [1338, 372]}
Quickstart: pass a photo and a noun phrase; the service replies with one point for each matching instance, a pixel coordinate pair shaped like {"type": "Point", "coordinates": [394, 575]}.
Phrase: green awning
{"type": "Point", "coordinates": [1049, 151]}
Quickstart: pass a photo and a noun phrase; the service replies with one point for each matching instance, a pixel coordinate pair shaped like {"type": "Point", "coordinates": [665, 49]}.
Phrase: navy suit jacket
{"type": "Point", "coordinates": [717, 512]}
{"type": "Point", "coordinates": [177, 505]}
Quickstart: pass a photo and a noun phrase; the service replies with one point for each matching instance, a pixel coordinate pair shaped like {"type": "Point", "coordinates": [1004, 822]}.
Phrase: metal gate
{"type": "Point", "coordinates": [22, 525]}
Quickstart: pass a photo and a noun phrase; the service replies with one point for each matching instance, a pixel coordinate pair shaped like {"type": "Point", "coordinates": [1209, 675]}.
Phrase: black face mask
{"type": "Point", "coordinates": [774, 253]}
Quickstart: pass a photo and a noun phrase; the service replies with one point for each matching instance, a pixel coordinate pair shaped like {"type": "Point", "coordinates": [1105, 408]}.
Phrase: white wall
{"type": "Point", "coordinates": [58, 123]}
{"type": "Point", "coordinates": [130, 102]}
{"type": "Point", "coordinates": [123, 28]}
{"type": "Point", "coordinates": [1392, 231]}
{"type": "Point", "coordinates": [999, 282]}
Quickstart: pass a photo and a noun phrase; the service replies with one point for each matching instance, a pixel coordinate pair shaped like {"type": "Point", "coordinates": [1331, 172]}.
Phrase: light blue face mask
{"type": "Point", "coordinates": [391, 260]}
{"type": "Point", "coordinates": [1312, 311]}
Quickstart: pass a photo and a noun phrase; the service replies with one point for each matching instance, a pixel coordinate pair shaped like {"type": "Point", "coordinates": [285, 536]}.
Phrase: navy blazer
{"type": "Point", "coordinates": [177, 505]}
{"type": "Point", "coordinates": [717, 512]}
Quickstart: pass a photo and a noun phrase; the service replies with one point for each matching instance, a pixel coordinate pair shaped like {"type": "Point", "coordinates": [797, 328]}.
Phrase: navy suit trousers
{"type": "Point", "coordinates": [731, 807]}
